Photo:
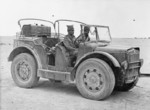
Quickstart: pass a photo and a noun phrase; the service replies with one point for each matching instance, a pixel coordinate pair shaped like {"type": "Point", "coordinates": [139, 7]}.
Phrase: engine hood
{"type": "Point", "coordinates": [117, 51]}
{"type": "Point", "coordinates": [114, 48]}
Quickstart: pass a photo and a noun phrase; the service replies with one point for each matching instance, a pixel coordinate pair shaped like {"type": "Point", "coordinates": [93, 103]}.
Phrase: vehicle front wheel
{"type": "Point", "coordinates": [95, 79]}
{"type": "Point", "coordinates": [24, 70]}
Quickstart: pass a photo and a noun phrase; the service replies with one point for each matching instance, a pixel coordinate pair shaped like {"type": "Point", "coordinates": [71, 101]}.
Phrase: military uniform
{"type": "Point", "coordinates": [83, 38]}
{"type": "Point", "coordinates": [69, 42]}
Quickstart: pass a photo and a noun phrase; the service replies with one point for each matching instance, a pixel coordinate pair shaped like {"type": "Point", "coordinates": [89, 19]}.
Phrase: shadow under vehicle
{"type": "Point", "coordinates": [98, 69]}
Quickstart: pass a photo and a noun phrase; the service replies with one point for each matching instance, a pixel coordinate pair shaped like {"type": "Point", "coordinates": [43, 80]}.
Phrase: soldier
{"type": "Point", "coordinates": [69, 41]}
{"type": "Point", "coordinates": [84, 37]}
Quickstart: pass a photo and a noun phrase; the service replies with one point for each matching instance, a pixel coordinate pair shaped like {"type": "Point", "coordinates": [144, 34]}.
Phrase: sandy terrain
{"type": "Point", "coordinates": [62, 96]}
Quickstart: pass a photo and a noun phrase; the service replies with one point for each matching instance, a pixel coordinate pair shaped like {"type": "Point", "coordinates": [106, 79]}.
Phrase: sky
{"type": "Point", "coordinates": [126, 18]}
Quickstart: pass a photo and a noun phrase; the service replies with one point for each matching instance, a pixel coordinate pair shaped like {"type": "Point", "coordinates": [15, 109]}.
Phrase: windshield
{"type": "Point", "coordinates": [98, 33]}
{"type": "Point", "coordinates": [104, 34]}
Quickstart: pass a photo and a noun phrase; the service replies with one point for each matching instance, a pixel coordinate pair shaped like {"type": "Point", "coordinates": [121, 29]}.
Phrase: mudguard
{"type": "Point", "coordinates": [92, 55]}
{"type": "Point", "coordinates": [37, 51]}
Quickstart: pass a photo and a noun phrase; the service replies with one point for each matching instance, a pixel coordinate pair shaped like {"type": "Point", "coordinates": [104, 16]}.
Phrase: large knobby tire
{"type": "Point", "coordinates": [24, 70]}
{"type": "Point", "coordinates": [95, 79]}
{"type": "Point", "coordinates": [128, 86]}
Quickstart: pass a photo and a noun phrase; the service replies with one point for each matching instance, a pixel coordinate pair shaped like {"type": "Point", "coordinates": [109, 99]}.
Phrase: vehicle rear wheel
{"type": "Point", "coordinates": [24, 70]}
{"type": "Point", "coordinates": [95, 79]}
{"type": "Point", "coordinates": [127, 87]}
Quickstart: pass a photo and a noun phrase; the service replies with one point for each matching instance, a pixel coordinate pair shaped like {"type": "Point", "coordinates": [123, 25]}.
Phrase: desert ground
{"type": "Point", "coordinates": [64, 96]}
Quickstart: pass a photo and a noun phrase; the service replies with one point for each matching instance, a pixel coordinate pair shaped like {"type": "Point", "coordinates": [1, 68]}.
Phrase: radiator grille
{"type": "Point", "coordinates": [133, 55]}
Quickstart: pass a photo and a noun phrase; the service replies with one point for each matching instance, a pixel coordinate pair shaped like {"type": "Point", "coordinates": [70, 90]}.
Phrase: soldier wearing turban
{"type": "Point", "coordinates": [84, 37]}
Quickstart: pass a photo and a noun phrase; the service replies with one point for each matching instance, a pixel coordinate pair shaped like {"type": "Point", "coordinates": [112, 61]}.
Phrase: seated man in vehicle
{"type": "Point", "coordinates": [69, 44]}
{"type": "Point", "coordinates": [69, 41]}
{"type": "Point", "coordinates": [83, 37]}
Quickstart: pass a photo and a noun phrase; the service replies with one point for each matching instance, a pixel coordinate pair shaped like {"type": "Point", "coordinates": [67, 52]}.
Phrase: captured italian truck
{"type": "Point", "coordinates": [99, 68]}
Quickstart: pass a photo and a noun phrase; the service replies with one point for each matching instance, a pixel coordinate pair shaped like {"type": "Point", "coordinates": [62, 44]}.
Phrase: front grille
{"type": "Point", "coordinates": [133, 59]}
{"type": "Point", "coordinates": [133, 55]}
{"type": "Point", "coordinates": [134, 64]}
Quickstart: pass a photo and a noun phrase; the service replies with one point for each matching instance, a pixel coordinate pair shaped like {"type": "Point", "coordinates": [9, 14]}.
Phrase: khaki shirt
{"type": "Point", "coordinates": [69, 43]}
{"type": "Point", "coordinates": [83, 38]}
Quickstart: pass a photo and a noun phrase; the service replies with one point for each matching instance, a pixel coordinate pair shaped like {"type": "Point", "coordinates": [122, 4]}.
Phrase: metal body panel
{"type": "Point", "coordinates": [36, 49]}
{"type": "Point", "coordinates": [109, 56]}
{"type": "Point", "coordinates": [88, 49]}
{"type": "Point", "coordinates": [57, 75]}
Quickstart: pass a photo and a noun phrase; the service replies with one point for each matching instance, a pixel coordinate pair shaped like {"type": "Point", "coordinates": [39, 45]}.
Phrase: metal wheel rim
{"type": "Point", "coordinates": [23, 71]}
{"type": "Point", "coordinates": [93, 79]}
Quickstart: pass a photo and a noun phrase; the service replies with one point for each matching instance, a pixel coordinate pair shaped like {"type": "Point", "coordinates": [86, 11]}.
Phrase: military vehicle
{"type": "Point", "coordinates": [99, 68]}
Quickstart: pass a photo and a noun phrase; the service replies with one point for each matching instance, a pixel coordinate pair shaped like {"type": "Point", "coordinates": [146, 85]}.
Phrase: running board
{"type": "Point", "coordinates": [57, 75]}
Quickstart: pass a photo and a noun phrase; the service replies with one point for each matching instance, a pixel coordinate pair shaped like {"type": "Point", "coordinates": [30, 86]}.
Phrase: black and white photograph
{"type": "Point", "coordinates": [74, 55]}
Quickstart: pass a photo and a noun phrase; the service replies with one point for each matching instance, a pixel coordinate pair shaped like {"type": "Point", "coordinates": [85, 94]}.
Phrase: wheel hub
{"type": "Point", "coordinates": [23, 71]}
{"type": "Point", "coordinates": [93, 80]}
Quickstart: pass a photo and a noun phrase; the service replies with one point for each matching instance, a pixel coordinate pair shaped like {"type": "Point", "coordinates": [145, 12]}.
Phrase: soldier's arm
{"type": "Point", "coordinates": [78, 40]}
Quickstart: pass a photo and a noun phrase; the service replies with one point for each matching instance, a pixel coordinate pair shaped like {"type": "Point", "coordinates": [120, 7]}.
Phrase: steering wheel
{"type": "Point", "coordinates": [77, 41]}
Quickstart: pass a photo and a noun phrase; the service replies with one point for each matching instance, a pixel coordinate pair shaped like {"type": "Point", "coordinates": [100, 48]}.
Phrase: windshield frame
{"type": "Point", "coordinates": [97, 34]}
{"type": "Point", "coordinates": [84, 24]}
{"type": "Point", "coordinates": [64, 20]}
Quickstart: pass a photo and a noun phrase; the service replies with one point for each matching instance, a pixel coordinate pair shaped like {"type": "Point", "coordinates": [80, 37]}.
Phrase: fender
{"type": "Point", "coordinates": [109, 56]}
{"type": "Point", "coordinates": [94, 55]}
{"type": "Point", "coordinates": [29, 49]}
